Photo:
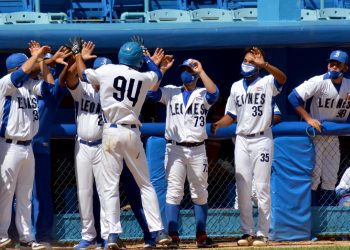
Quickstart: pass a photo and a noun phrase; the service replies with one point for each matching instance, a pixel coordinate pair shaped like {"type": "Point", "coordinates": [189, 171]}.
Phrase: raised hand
{"type": "Point", "coordinates": [196, 66]}
{"type": "Point", "coordinates": [33, 46]}
{"type": "Point", "coordinates": [166, 62]}
{"type": "Point", "coordinates": [139, 39]}
{"type": "Point", "coordinates": [87, 50]}
{"type": "Point", "coordinates": [157, 55]}
{"type": "Point", "coordinates": [61, 54]}
{"type": "Point", "coordinates": [258, 58]}
{"type": "Point", "coordinates": [74, 44]}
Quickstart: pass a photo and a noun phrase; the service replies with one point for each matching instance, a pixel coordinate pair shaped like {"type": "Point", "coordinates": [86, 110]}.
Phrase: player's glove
{"type": "Point", "coordinates": [139, 39]}
{"type": "Point", "coordinates": [75, 45]}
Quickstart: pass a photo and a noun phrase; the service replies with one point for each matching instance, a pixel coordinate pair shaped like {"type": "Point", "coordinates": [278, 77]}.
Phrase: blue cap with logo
{"type": "Point", "coordinates": [186, 63]}
{"type": "Point", "coordinates": [15, 60]}
{"type": "Point", "coordinates": [340, 56]}
{"type": "Point", "coordinates": [99, 61]}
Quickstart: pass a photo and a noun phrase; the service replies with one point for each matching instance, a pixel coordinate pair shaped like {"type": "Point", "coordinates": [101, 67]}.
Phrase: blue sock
{"type": "Point", "coordinates": [201, 214]}
{"type": "Point", "coordinates": [172, 214]}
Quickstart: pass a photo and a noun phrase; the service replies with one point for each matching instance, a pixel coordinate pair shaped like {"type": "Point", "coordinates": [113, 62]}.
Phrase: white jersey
{"type": "Point", "coordinates": [19, 112]}
{"type": "Point", "coordinates": [185, 123]}
{"type": "Point", "coordinates": [345, 180]}
{"type": "Point", "coordinates": [122, 90]}
{"type": "Point", "coordinates": [327, 103]}
{"type": "Point", "coordinates": [88, 112]}
{"type": "Point", "coordinates": [252, 104]}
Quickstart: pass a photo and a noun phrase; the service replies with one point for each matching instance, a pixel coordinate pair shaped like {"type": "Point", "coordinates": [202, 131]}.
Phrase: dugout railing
{"type": "Point", "coordinates": [292, 217]}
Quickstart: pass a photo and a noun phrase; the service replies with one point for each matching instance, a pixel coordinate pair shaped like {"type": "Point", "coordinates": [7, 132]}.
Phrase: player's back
{"type": "Point", "coordinates": [123, 91]}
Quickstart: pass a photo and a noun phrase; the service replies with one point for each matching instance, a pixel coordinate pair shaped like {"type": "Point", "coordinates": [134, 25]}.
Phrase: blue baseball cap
{"type": "Point", "coordinates": [186, 64]}
{"type": "Point", "coordinates": [340, 56]}
{"type": "Point", "coordinates": [15, 60]}
{"type": "Point", "coordinates": [99, 61]}
{"type": "Point", "coordinates": [48, 56]}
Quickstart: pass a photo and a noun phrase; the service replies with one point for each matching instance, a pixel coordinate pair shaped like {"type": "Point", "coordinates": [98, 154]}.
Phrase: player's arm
{"type": "Point", "coordinates": [277, 114]}
{"type": "Point", "coordinates": [298, 104]}
{"type": "Point", "coordinates": [165, 64]}
{"type": "Point", "coordinates": [69, 76]}
{"type": "Point", "coordinates": [212, 90]}
{"type": "Point", "coordinates": [224, 122]}
{"type": "Point", "coordinates": [259, 60]}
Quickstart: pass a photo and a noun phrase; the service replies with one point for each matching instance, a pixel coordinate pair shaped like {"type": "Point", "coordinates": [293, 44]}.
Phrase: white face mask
{"type": "Point", "coordinates": [248, 70]}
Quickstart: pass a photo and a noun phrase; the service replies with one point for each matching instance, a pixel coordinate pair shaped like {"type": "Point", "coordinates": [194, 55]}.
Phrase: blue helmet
{"type": "Point", "coordinates": [15, 60]}
{"type": "Point", "coordinates": [131, 54]}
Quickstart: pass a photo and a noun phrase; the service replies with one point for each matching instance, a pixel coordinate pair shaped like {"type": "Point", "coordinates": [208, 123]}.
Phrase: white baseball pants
{"type": "Point", "coordinates": [124, 143]}
{"type": "Point", "coordinates": [88, 167]}
{"type": "Point", "coordinates": [17, 177]}
{"type": "Point", "coordinates": [253, 157]}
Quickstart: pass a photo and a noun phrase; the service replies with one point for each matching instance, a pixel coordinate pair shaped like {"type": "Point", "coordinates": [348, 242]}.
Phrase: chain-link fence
{"type": "Point", "coordinates": [223, 218]}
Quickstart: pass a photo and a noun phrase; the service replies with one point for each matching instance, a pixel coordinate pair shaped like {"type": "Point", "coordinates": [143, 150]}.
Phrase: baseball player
{"type": "Point", "coordinates": [187, 107]}
{"type": "Point", "coordinates": [343, 190]}
{"type": "Point", "coordinates": [277, 117]}
{"type": "Point", "coordinates": [88, 149]}
{"type": "Point", "coordinates": [330, 96]}
{"type": "Point", "coordinates": [123, 91]}
{"type": "Point", "coordinates": [42, 200]}
{"type": "Point", "coordinates": [19, 123]}
{"type": "Point", "coordinates": [250, 104]}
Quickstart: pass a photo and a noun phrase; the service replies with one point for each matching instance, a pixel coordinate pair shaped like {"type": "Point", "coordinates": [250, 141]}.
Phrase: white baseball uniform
{"type": "Point", "coordinates": [254, 198]}
{"type": "Point", "coordinates": [185, 154]}
{"type": "Point", "coordinates": [19, 123]}
{"type": "Point", "coordinates": [328, 104]}
{"type": "Point", "coordinates": [123, 91]}
{"type": "Point", "coordinates": [88, 156]}
{"type": "Point", "coordinates": [252, 105]}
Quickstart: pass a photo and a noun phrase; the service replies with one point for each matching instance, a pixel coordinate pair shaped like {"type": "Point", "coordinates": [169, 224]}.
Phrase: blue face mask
{"type": "Point", "coordinates": [187, 77]}
{"type": "Point", "coordinates": [334, 74]}
{"type": "Point", "coordinates": [248, 70]}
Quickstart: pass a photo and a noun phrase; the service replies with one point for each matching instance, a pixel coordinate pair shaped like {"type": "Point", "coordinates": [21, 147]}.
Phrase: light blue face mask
{"type": "Point", "coordinates": [187, 77]}
{"type": "Point", "coordinates": [334, 74]}
{"type": "Point", "coordinates": [248, 70]}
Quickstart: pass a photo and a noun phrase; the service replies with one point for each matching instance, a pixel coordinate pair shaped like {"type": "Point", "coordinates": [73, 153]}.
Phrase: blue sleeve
{"type": "Point", "coordinates": [212, 97]}
{"type": "Point", "coordinates": [84, 77]}
{"type": "Point", "coordinates": [46, 88]}
{"type": "Point", "coordinates": [295, 99]}
{"type": "Point", "coordinates": [154, 95]}
{"type": "Point", "coordinates": [153, 67]}
{"type": "Point", "coordinates": [57, 91]}
{"type": "Point", "coordinates": [18, 76]}
{"type": "Point", "coordinates": [232, 115]}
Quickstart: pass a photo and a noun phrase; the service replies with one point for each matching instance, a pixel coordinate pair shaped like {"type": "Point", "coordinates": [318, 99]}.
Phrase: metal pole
{"type": "Point", "coordinates": [37, 5]}
{"type": "Point", "coordinates": [146, 5]}
{"type": "Point", "coordinates": [321, 4]}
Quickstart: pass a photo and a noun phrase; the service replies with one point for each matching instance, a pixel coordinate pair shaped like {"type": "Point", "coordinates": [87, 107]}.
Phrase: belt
{"type": "Point", "coordinates": [23, 143]}
{"type": "Point", "coordinates": [91, 143]}
{"type": "Point", "coordinates": [113, 125]}
{"type": "Point", "coordinates": [253, 135]}
{"type": "Point", "coordinates": [185, 144]}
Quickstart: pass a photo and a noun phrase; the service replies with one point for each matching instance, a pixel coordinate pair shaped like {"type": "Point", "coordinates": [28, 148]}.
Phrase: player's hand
{"type": "Point", "coordinates": [166, 62]}
{"type": "Point", "coordinates": [61, 54]}
{"type": "Point", "coordinates": [196, 66]}
{"type": "Point", "coordinates": [139, 39]}
{"type": "Point", "coordinates": [37, 50]}
{"type": "Point", "coordinates": [86, 52]}
{"type": "Point", "coordinates": [33, 46]}
{"type": "Point", "coordinates": [74, 44]}
{"type": "Point", "coordinates": [214, 127]}
{"type": "Point", "coordinates": [316, 124]}
{"type": "Point", "coordinates": [157, 56]}
{"type": "Point", "coordinates": [258, 58]}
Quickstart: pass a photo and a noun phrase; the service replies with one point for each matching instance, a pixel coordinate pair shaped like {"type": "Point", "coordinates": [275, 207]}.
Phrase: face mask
{"type": "Point", "coordinates": [334, 74]}
{"type": "Point", "coordinates": [187, 77]}
{"type": "Point", "coordinates": [248, 70]}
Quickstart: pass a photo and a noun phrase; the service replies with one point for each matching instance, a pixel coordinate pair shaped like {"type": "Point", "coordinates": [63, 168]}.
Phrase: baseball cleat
{"type": "Point", "coordinates": [245, 240]}
{"type": "Point", "coordinates": [260, 241]}
{"type": "Point", "coordinates": [114, 242]}
{"type": "Point", "coordinates": [31, 245]}
{"type": "Point", "coordinates": [85, 244]}
{"type": "Point", "coordinates": [204, 241]}
{"type": "Point", "coordinates": [4, 242]}
{"type": "Point", "coordinates": [163, 238]}
{"type": "Point", "coordinates": [175, 242]}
